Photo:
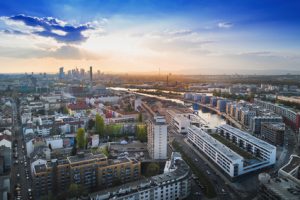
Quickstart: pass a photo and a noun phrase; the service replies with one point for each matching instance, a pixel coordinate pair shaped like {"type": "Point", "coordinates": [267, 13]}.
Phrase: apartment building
{"type": "Point", "coordinates": [249, 155]}
{"type": "Point", "coordinates": [157, 138]}
{"type": "Point", "coordinates": [256, 121]}
{"type": "Point", "coordinates": [173, 184]}
{"type": "Point", "coordinates": [273, 133]}
{"type": "Point", "coordinates": [290, 117]}
{"type": "Point", "coordinates": [91, 171]}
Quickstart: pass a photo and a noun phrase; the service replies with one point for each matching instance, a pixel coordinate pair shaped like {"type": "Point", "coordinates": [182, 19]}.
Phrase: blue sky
{"type": "Point", "coordinates": [204, 37]}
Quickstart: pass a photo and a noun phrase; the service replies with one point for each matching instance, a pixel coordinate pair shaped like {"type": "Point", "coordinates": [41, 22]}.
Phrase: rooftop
{"type": "Point", "coordinates": [221, 148]}
{"type": "Point", "coordinates": [247, 137]}
{"type": "Point", "coordinates": [283, 188]}
{"type": "Point", "coordinates": [80, 157]}
{"type": "Point", "coordinates": [292, 164]}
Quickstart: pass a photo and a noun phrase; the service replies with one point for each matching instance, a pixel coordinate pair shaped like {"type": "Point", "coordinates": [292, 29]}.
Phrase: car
{"type": "Point", "coordinates": [16, 162]}
{"type": "Point", "coordinates": [223, 191]}
{"type": "Point", "coordinates": [196, 159]}
{"type": "Point", "coordinates": [18, 175]}
{"type": "Point", "coordinates": [27, 177]}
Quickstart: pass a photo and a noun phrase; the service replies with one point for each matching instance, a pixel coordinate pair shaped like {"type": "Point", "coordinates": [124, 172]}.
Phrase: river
{"type": "Point", "coordinates": [211, 117]}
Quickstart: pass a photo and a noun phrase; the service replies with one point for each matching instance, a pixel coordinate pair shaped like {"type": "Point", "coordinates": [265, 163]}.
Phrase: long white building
{"type": "Point", "coordinates": [231, 162]}
{"type": "Point", "coordinates": [157, 138]}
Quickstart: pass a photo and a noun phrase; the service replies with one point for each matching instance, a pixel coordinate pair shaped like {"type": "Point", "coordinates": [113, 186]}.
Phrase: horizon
{"type": "Point", "coordinates": [139, 37]}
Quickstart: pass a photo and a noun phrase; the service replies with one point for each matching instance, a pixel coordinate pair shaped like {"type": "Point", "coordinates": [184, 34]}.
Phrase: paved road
{"type": "Point", "coordinates": [20, 174]}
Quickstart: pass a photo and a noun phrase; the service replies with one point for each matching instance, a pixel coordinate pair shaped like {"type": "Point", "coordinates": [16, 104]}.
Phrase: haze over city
{"type": "Point", "coordinates": [140, 36]}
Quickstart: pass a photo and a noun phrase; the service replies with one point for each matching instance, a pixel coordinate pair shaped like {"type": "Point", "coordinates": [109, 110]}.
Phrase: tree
{"type": "Point", "coordinates": [140, 118]}
{"type": "Point", "coordinates": [91, 124]}
{"type": "Point", "coordinates": [65, 110]}
{"type": "Point", "coordinates": [99, 125]}
{"type": "Point", "coordinates": [152, 169]}
{"type": "Point", "coordinates": [80, 138]}
{"type": "Point", "coordinates": [141, 132]}
{"type": "Point", "coordinates": [73, 190]}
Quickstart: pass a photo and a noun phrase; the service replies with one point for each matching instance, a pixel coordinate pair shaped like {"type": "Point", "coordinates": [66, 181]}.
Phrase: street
{"type": "Point", "coordinates": [20, 171]}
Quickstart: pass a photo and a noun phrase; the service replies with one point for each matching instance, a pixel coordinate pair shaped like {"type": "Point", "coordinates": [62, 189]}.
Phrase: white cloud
{"type": "Point", "coordinates": [18, 26]}
{"type": "Point", "coordinates": [225, 25]}
{"type": "Point", "coordinates": [59, 32]}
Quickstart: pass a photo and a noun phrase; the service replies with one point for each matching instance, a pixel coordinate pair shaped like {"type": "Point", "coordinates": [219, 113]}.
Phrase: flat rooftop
{"type": "Point", "coordinates": [217, 144]}
{"type": "Point", "coordinates": [247, 137]}
{"type": "Point", "coordinates": [292, 164]}
{"type": "Point", "coordinates": [285, 189]}
{"type": "Point", "coordinates": [85, 157]}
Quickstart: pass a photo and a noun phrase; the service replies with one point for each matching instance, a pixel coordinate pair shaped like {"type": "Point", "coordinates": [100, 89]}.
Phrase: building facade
{"type": "Point", "coordinates": [273, 133]}
{"type": "Point", "coordinates": [261, 154]}
{"type": "Point", "coordinates": [157, 138]}
{"type": "Point", "coordinates": [173, 184]}
{"type": "Point", "coordinates": [91, 171]}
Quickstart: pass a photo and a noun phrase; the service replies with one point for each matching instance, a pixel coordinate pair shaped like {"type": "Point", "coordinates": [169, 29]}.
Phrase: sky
{"type": "Point", "coordinates": [145, 36]}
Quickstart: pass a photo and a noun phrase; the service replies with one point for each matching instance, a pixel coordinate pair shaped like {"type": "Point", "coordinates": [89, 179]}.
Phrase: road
{"type": "Point", "coordinates": [20, 174]}
{"type": "Point", "coordinates": [222, 189]}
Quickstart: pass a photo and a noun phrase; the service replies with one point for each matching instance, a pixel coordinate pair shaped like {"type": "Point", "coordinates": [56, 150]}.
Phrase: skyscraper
{"type": "Point", "coordinates": [61, 73]}
{"type": "Point", "coordinates": [91, 74]}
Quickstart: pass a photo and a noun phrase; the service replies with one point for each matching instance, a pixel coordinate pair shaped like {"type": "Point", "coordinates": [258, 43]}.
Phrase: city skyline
{"type": "Point", "coordinates": [195, 37]}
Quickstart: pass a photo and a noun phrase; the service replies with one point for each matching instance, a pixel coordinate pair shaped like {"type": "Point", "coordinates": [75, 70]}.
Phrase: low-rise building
{"type": "Point", "coordinates": [284, 187]}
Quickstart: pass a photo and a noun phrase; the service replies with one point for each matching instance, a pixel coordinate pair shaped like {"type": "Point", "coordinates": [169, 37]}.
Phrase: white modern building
{"type": "Point", "coordinates": [157, 138]}
{"type": "Point", "coordinates": [231, 162]}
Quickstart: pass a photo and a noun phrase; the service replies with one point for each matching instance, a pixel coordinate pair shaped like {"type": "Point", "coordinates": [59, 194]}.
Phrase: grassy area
{"type": "Point", "coordinates": [204, 180]}
{"type": "Point", "coordinates": [233, 147]}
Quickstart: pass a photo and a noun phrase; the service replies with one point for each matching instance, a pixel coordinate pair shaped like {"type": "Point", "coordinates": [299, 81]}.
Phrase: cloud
{"type": "Point", "coordinates": [71, 52]}
{"type": "Point", "coordinates": [225, 25]}
{"type": "Point", "coordinates": [62, 53]}
{"type": "Point", "coordinates": [50, 27]}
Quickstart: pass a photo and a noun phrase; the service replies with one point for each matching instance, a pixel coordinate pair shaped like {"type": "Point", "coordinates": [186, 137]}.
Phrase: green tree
{"type": "Point", "coordinates": [80, 138]}
{"type": "Point", "coordinates": [141, 132]}
{"type": "Point", "coordinates": [99, 125]}
{"type": "Point", "coordinates": [74, 190]}
{"type": "Point", "coordinates": [152, 169]}
{"type": "Point", "coordinates": [140, 117]}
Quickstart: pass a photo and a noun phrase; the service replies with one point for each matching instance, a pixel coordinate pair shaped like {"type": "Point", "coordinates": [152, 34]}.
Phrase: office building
{"type": "Point", "coordinates": [157, 138]}
{"type": "Point", "coordinates": [61, 74]}
{"type": "Point", "coordinates": [91, 74]}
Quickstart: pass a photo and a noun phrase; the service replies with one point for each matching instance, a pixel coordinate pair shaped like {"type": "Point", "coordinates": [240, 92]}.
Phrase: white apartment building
{"type": "Point", "coordinates": [157, 138]}
{"type": "Point", "coordinates": [228, 160]}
